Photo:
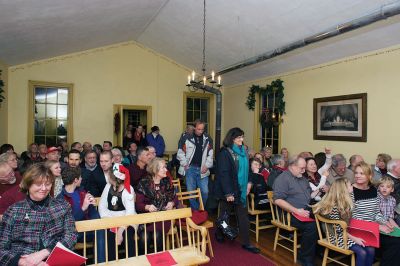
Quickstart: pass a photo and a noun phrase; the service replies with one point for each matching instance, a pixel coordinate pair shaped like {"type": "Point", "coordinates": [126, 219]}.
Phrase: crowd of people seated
{"type": "Point", "coordinates": [326, 185]}
{"type": "Point", "coordinates": [45, 189]}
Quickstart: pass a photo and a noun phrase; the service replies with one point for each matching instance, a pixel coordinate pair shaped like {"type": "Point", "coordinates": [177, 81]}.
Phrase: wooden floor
{"type": "Point", "coordinates": [281, 257]}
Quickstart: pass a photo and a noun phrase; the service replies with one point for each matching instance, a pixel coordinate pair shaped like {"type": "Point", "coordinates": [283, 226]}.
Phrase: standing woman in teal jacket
{"type": "Point", "coordinates": [231, 184]}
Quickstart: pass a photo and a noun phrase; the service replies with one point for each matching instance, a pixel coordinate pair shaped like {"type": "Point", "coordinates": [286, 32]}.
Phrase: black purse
{"type": "Point", "coordinates": [222, 223]}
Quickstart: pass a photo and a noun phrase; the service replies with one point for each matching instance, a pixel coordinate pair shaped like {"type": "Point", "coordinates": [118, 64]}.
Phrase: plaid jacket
{"type": "Point", "coordinates": [28, 227]}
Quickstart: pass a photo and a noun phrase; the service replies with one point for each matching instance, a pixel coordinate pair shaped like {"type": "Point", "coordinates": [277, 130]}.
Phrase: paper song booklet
{"type": "Point", "coordinates": [161, 259]}
{"type": "Point", "coordinates": [62, 256]}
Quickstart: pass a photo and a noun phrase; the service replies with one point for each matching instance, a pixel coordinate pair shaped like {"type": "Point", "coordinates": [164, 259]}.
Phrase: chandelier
{"type": "Point", "coordinates": [193, 81]}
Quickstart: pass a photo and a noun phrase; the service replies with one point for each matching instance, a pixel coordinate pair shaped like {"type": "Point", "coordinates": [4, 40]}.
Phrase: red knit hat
{"type": "Point", "coordinates": [121, 172]}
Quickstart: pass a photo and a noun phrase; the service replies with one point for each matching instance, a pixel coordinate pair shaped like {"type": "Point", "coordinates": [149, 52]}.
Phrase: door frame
{"type": "Point", "coordinates": [120, 108]}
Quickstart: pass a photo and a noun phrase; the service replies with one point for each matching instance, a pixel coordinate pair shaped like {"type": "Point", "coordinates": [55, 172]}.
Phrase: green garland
{"type": "Point", "coordinates": [267, 119]}
{"type": "Point", "coordinates": [275, 87]}
{"type": "Point", "coordinates": [2, 98]}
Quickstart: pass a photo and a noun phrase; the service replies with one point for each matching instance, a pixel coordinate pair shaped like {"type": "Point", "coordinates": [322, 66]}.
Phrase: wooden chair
{"type": "Point", "coordinates": [191, 254]}
{"type": "Point", "coordinates": [254, 212]}
{"type": "Point", "coordinates": [281, 219]}
{"type": "Point", "coordinates": [177, 185]}
{"type": "Point", "coordinates": [331, 240]}
{"type": "Point", "coordinates": [196, 194]}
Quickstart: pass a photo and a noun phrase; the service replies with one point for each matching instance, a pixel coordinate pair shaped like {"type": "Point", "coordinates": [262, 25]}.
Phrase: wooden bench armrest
{"type": "Point", "coordinates": [190, 222]}
{"type": "Point", "coordinates": [251, 202]}
{"type": "Point", "coordinates": [203, 231]}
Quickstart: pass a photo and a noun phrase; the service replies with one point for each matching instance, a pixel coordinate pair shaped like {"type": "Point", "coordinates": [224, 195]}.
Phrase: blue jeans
{"type": "Point", "coordinates": [100, 243]}
{"type": "Point", "coordinates": [100, 234]}
{"type": "Point", "coordinates": [194, 181]}
{"type": "Point", "coordinates": [364, 255]}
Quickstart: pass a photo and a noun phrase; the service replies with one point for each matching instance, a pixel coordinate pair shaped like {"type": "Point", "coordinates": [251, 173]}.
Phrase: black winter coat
{"type": "Point", "coordinates": [226, 183]}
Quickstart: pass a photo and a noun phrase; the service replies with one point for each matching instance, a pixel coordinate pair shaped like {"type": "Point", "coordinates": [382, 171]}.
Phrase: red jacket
{"type": "Point", "coordinates": [10, 197]}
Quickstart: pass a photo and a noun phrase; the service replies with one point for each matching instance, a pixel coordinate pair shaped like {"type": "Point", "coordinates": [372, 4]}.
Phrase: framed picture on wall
{"type": "Point", "coordinates": [342, 118]}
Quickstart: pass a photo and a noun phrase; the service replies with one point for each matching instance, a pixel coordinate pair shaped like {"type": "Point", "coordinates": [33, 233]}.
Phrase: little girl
{"type": "Point", "coordinates": [337, 205]}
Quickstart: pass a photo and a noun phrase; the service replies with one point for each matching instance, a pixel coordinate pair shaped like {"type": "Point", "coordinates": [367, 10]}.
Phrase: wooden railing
{"type": "Point", "coordinates": [190, 252]}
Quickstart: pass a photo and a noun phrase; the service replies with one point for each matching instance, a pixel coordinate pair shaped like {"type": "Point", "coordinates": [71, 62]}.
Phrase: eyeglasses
{"type": "Point", "coordinates": [45, 185]}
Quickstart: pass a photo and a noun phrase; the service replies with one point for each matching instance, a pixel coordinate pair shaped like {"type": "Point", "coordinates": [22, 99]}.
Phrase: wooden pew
{"type": "Point", "coordinates": [193, 253]}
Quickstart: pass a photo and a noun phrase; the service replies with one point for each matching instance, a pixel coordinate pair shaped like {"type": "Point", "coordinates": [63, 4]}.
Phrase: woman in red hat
{"type": "Point", "coordinates": [118, 199]}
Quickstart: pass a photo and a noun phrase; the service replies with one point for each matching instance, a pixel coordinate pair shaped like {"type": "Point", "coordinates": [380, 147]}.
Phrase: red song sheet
{"type": "Point", "coordinates": [303, 219]}
{"type": "Point", "coordinates": [369, 231]}
{"type": "Point", "coordinates": [161, 259]}
{"type": "Point", "coordinates": [62, 256]}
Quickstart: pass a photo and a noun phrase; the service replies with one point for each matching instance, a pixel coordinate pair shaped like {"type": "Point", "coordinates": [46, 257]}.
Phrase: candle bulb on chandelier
{"type": "Point", "coordinates": [188, 79]}
{"type": "Point", "coordinates": [219, 80]}
{"type": "Point", "coordinates": [193, 73]}
{"type": "Point", "coordinates": [204, 80]}
{"type": "Point", "coordinates": [212, 75]}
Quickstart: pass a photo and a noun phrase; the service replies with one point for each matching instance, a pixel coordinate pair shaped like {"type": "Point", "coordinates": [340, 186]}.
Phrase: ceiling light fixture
{"type": "Point", "coordinates": [193, 84]}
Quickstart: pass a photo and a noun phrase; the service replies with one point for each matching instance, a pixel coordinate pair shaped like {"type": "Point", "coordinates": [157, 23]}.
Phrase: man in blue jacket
{"type": "Point", "coordinates": [155, 140]}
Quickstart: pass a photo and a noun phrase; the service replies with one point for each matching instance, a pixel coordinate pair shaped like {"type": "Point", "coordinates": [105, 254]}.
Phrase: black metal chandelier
{"type": "Point", "coordinates": [193, 83]}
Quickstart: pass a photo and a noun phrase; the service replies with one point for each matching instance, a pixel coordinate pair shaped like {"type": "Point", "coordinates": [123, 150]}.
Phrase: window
{"type": "Point", "coordinates": [269, 134]}
{"type": "Point", "coordinates": [50, 113]}
{"type": "Point", "coordinates": [198, 106]}
{"type": "Point", "coordinates": [134, 118]}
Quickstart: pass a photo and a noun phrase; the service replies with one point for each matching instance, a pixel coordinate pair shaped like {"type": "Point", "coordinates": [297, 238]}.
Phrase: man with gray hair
{"type": "Point", "coordinates": [292, 193]}
{"type": "Point", "coordinates": [278, 167]}
{"type": "Point", "coordinates": [393, 167]}
{"type": "Point", "coordinates": [354, 160]}
{"type": "Point", "coordinates": [338, 169]}
{"type": "Point", "coordinates": [8, 178]}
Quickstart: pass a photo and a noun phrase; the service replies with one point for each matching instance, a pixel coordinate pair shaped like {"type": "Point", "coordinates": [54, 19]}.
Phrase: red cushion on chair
{"type": "Point", "coordinates": [198, 217]}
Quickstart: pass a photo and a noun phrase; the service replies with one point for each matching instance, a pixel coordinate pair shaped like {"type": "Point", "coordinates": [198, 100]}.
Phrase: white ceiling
{"type": "Point", "coordinates": [236, 30]}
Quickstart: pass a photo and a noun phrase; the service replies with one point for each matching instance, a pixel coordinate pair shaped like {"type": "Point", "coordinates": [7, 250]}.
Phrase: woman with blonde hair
{"type": "Point", "coordinates": [338, 198]}
{"type": "Point", "coordinates": [55, 169]}
{"type": "Point", "coordinates": [155, 193]}
{"type": "Point", "coordinates": [366, 207]}
{"type": "Point", "coordinates": [337, 204]}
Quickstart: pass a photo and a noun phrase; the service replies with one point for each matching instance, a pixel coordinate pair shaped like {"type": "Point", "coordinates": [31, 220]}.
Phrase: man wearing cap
{"type": "Point", "coordinates": [155, 140]}
{"type": "Point", "coordinates": [53, 154]}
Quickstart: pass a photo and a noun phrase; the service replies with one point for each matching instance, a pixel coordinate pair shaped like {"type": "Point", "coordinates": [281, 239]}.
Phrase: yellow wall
{"type": "Point", "coordinates": [376, 73]}
{"type": "Point", "coordinates": [4, 105]}
{"type": "Point", "coordinates": [125, 73]}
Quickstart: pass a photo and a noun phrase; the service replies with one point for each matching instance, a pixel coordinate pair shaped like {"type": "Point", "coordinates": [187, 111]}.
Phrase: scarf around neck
{"type": "Point", "coordinates": [243, 171]}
